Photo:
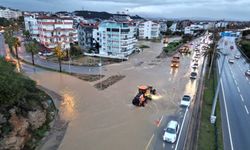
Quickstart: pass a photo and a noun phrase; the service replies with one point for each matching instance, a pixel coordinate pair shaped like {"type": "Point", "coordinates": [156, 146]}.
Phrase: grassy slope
{"type": "Point", "coordinates": [207, 140]}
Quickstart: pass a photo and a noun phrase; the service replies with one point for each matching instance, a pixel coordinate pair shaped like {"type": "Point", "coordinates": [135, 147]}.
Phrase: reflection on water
{"type": "Point", "coordinates": [156, 97]}
{"type": "Point", "coordinates": [190, 87]}
{"type": "Point", "coordinates": [68, 106]}
{"type": "Point", "coordinates": [174, 71]}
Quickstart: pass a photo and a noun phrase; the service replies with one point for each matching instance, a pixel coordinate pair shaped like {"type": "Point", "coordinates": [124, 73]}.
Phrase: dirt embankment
{"type": "Point", "coordinates": [109, 81]}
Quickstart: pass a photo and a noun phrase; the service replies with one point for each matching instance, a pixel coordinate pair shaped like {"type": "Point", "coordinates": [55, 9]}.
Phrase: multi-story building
{"type": "Point", "coordinates": [85, 35]}
{"type": "Point", "coordinates": [188, 30]}
{"type": "Point", "coordinates": [54, 30]}
{"type": "Point", "coordinates": [163, 27]}
{"type": "Point", "coordinates": [116, 39]}
{"type": "Point", "coordinates": [9, 13]}
{"type": "Point", "coordinates": [31, 26]}
{"type": "Point", "coordinates": [149, 30]}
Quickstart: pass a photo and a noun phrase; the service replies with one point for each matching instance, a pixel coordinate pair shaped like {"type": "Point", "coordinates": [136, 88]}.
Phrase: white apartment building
{"type": "Point", "coordinates": [221, 24]}
{"type": "Point", "coordinates": [31, 26]}
{"type": "Point", "coordinates": [116, 39]}
{"type": "Point", "coordinates": [54, 30]}
{"type": "Point", "coordinates": [8, 13]}
{"type": "Point", "coordinates": [149, 30]}
{"type": "Point", "coordinates": [188, 30]}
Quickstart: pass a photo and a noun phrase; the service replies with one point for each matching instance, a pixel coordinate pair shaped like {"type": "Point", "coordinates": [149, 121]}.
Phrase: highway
{"type": "Point", "coordinates": [234, 99]}
{"type": "Point", "coordinates": [182, 116]}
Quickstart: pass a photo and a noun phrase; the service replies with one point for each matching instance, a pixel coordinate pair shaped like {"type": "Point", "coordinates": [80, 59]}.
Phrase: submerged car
{"type": "Point", "coordinates": [171, 132]}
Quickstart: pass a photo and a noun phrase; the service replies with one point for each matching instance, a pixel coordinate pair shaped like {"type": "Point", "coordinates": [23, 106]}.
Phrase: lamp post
{"type": "Point", "coordinates": [213, 117]}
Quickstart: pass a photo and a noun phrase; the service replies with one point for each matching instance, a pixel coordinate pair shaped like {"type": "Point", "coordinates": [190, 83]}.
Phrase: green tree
{"type": "Point", "coordinates": [60, 54]}
{"type": "Point", "coordinates": [32, 47]}
{"type": "Point", "coordinates": [169, 23]}
{"type": "Point", "coordinates": [27, 35]}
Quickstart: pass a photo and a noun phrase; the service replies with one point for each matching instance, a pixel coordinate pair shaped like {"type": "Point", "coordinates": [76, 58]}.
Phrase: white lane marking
{"type": "Point", "coordinates": [149, 142]}
{"type": "Point", "coordinates": [238, 89]}
{"type": "Point", "coordinates": [160, 121]}
{"type": "Point", "coordinates": [177, 143]}
{"type": "Point", "coordinates": [236, 82]}
{"type": "Point", "coordinates": [228, 123]}
{"type": "Point", "coordinates": [246, 109]}
{"type": "Point", "coordinates": [242, 98]}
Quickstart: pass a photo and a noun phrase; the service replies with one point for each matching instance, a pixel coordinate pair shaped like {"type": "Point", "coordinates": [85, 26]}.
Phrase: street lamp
{"type": "Point", "coordinates": [213, 117]}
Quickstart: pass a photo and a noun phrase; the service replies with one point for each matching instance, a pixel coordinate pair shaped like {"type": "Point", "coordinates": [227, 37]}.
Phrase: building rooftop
{"type": "Point", "coordinates": [113, 24]}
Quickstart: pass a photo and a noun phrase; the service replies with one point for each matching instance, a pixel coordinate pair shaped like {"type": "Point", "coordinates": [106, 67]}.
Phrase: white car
{"type": "Point", "coordinates": [195, 65]}
{"type": "Point", "coordinates": [247, 73]}
{"type": "Point", "coordinates": [186, 100]}
{"type": "Point", "coordinates": [231, 60]}
{"type": "Point", "coordinates": [237, 56]}
{"type": "Point", "coordinates": [171, 132]}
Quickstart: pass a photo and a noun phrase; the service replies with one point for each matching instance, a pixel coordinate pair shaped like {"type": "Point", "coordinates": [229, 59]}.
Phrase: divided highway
{"type": "Point", "coordinates": [234, 99]}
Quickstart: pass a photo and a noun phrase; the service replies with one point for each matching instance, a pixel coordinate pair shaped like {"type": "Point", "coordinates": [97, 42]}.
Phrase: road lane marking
{"type": "Point", "coordinates": [181, 129]}
{"type": "Point", "coordinates": [160, 121]}
{"type": "Point", "coordinates": [238, 89]}
{"type": "Point", "coordinates": [236, 82]}
{"type": "Point", "coordinates": [246, 109]}
{"type": "Point", "coordinates": [242, 98]}
{"type": "Point", "coordinates": [149, 142]}
{"type": "Point", "coordinates": [247, 78]}
{"type": "Point", "coordinates": [228, 124]}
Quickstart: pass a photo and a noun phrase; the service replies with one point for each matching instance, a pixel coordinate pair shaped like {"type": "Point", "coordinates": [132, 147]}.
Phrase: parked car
{"type": "Point", "coordinates": [247, 73]}
{"type": "Point", "coordinates": [186, 100]}
{"type": "Point", "coordinates": [171, 132]}
{"type": "Point", "coordinates": [231, 60]}
{"type": "Point", "coordinates": [193, 75]}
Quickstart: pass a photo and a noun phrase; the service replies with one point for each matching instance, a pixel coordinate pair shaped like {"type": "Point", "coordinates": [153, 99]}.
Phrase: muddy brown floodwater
{"type": "Point", "coordinates": [106, 119]}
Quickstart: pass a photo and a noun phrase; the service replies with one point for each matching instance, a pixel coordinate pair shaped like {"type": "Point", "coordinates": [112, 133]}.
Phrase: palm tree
{"type": "Point", "coordinates": [27, 35]}
{"type": "Point", "coordinates": [59, 54]}
{"type": "Point", "coordinates": [32, 47]}
{"type": "Point", "coordinates": [16, 44]}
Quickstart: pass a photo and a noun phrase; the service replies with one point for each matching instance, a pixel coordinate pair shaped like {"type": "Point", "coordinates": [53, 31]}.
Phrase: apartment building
{"type": "Point", "coordinates": [56, 30]}
{"type": "Point", "coordinates": [116, 39]}
{"type": "Point", "coordinates": [149, 30]}
{"type": "Point", "coordinates": [9, 13]}
{"type": "Point", "coordinates": [85, 35]}
{"type": "Point", "coordinates": [31, 26]}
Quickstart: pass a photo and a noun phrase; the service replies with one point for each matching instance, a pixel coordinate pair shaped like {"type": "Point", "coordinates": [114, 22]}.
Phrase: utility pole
{"type": "Point", "coordinates": [213, 117]}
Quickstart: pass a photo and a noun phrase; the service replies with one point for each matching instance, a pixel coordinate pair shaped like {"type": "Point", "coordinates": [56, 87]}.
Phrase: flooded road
{"type": "Point", "coordinates": [105, 120]}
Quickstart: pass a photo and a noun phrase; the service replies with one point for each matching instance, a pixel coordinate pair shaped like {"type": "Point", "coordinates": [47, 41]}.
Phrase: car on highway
{"type": "Point", "coordinates": [195, 65]}
{"type": "Point", "coordinates": [171, 132]}
{"type": "Point", "coordinates": [193, 75]}
{"type": "Point", "coordinates": [185, 101]}
{"type": "Point", "coordinates": [237, 56]}
{"type": "Point", "coordinates": [231, 60]}
{"type": "Point", "coordinates": [247, 73]}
